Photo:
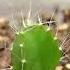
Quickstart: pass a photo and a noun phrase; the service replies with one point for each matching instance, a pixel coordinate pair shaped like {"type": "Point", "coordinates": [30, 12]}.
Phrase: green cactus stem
{"type": "Point", "coordinates": [36, 48]}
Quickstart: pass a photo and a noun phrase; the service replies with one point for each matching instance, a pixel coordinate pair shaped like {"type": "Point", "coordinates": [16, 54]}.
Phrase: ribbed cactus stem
{"type": "Point", "coordinates": [36, 48]}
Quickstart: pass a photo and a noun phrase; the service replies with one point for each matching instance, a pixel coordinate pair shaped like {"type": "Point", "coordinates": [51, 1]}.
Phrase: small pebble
{"type": "Point", "coordinates": [67, 66]}
{"type": "Point", "coordinates": [59, 68]}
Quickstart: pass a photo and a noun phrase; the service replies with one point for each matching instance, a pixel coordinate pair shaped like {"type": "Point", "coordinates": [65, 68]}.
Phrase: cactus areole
{"type": "Point", "coordinates": [36, 48]}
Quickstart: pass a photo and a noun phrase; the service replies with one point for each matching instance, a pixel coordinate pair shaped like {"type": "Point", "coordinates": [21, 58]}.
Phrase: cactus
{"type": "Point", "coordinates": [36, 48]}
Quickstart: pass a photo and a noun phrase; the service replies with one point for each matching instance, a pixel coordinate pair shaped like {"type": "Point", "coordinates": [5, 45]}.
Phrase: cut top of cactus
{"type": "Point", "coordinates": [35, 49]}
